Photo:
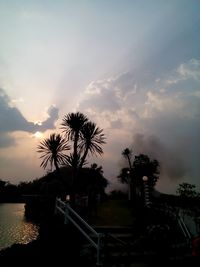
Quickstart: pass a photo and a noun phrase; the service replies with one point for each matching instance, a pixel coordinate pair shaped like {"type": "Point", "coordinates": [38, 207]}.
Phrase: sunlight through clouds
{"type": "Point", "coordinates": [38, 135]}
{"type": "Point", "coordinates": [127, 65]}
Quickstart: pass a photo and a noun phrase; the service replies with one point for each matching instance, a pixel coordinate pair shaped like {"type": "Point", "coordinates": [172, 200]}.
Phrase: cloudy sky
{"type": "Point", "coordinates": [133, 67]}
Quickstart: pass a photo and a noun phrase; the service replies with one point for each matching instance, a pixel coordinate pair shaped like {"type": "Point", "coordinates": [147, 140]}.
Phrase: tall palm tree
{"type": "Point", "coordinates": [86, 137]}
{"type": "Point", "coordinates": [91, 140]}
{"type": "Point", "coordinates": [72, 124]}
{"type": "Point", "coordinates": [52, 150]}
{"type": "Point", "coordinates": [127, 153]}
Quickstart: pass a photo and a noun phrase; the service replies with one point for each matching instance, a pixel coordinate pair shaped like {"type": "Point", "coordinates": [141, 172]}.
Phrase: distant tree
{"type": "Point", "coordinates": [187, 190]}
{"type": "Point", "coordinates": [190, 201]}
{"type": "Point", "coordinates": [133, 175]}
{"type": "Point", "coordinates": [2, 184]}
{"type": "Point", "coordinates": [52, 150]}
{"type": "Point", "coordinates": [141, 166]}
{"type": "Point", "coordinates": [98, 169]}
{"type": "Point", "coordinates": [144, 166]}
{"type": "Point", "coordinates": [9, 192]}
{"type": "Point", "coordinates": [124, 175]}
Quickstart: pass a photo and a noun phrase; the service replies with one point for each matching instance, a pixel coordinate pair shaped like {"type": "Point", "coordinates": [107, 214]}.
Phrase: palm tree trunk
{"type": "Point", "coordinates": [75, 170]}
{"type": "Point", "coordinates": [83, 158]}
{"type": "Point", "coordinates": [75, 150]}
{"type": "Point", "coordinates": [56, 165]}
{"type": "Point", "coordinates": [129, 162]}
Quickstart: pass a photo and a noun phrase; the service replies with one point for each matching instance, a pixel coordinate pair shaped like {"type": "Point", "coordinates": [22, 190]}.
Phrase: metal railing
{"type": "Point", "coordinates": [71, 215]}
{"type": "Point", "coordinates": [178, 216]}
{"type": "Point", "coordinates": [183, 226]}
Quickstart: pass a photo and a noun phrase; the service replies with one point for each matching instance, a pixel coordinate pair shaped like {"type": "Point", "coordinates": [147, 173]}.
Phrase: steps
{"type": "Point", "coordinates": [159, 242]}
{"type": "Point", "coordinates": [119, 248]}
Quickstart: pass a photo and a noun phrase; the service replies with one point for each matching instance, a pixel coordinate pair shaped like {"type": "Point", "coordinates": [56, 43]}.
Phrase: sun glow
{"type": "Point", "coordinates": [38, 135]}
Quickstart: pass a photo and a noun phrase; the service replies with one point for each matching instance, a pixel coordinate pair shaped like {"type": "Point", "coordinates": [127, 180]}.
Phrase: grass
{"type": "Point", "coordinates": [113, 212]}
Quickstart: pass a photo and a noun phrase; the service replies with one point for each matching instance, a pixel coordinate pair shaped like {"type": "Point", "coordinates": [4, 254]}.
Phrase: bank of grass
{"type": "Point", "coordinates": [113, 212]}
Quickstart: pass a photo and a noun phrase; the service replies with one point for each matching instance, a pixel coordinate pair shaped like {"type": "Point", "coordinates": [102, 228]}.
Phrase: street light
{"type": "Point", "coordinates": [129, 184]}
{"type": "Point", "coordinates": [145, 178]}
{"type": "Point", "coordinates": [146, 191]}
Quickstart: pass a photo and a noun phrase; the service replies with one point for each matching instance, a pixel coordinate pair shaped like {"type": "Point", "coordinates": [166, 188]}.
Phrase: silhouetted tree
{"type": "Point", "coordinates": [91, 140]}
{"type": "Point", "coordinates": [86, 138]}
{"type": "Point", "coordinates": [124, 175]}
{"type": "Point", "coordinates": [2, 184]}
{"type": "Point", "coordinates": [140, 167]}
{"type": "Point", "coordinates": [190, 201]}
{"type": "Point", "coordinates": [186, 190]}
{"type": "Point", "coordinates": [9, 192]}
{"type": "Point", "coordinates": [144, 166]}
{"type": "Point", "coordinates": [98, 169]}
{"type": "Point", "coordinates": [127, 153]}
{"type": "Point", "coordinates": [52, 150]}
{"type": "Point", "coordinates": [72, 125]}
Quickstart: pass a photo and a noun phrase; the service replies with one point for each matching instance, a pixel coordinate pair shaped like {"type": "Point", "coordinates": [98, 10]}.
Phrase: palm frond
{"type": "Point", "coordinates": [52, 150]}
{"type": "Point", "coordinates": [72, 124]}
{"type": "Point", "coordinates": [92, 138]}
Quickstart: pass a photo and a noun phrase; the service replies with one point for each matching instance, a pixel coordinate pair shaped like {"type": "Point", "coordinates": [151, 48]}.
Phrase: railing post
{"type": "Point", "coordinates": [99, 249]}
{"type": "Point", "coordinates": [66, 213]}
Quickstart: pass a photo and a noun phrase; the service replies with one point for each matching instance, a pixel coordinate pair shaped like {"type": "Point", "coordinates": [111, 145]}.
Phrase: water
{"type": "Point", "coordinates": [13, 226]}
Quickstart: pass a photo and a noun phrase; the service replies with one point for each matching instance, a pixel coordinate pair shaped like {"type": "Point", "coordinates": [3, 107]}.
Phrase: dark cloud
{"type": "Point", "coordinates": [49, 122]}
{"type": "Point", "coordinates": [179, 135]}
{"type": "Point", "coordinates": [6, 140]}
{"type": "Point", "coordinates": [11, 120]}
{"type": "Point", "coordinates": [171, 161]}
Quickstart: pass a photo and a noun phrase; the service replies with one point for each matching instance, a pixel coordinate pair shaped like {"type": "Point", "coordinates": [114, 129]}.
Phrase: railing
{"type": "Point", "coordinates": [178, 216]}
{"type": "Point", "coordinates": [66, 210]}
{"type": "Point", "coordinates": [184, 227]}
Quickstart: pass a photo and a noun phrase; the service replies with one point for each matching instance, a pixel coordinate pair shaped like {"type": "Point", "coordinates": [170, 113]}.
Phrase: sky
{"type": "Point", "coordinates": [133, 67]}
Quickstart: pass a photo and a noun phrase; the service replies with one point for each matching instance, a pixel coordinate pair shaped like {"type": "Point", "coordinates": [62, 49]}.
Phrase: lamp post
{"type": "Point", "coordinates": [146, 191]}
{"type": "Point", "coordinates": [129, 185]}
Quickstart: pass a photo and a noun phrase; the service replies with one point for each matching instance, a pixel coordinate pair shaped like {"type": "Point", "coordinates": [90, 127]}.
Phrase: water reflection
{"type": "Point", "coordinates": [13, 226]}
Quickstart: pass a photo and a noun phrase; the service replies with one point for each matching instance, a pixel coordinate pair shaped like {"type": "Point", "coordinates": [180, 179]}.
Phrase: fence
{"type": "Point", "coordinates": [71, 215]}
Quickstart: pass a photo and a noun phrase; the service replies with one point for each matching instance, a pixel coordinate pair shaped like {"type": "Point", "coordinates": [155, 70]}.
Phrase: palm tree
{"type": "Point", "coordinates": [91, 140]}
{"type": "Point", "coordinates": [86, 137]}
{"type": "Point", "coordinates": [127, 153]}
{"type": "Point", "coordinates": [52, 150]}
{"type": "Point", "coordinates": [72, 124]}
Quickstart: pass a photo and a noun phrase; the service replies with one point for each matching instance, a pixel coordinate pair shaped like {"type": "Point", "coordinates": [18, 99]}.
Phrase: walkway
{"type": "Point", "coordinates": [113, 212]}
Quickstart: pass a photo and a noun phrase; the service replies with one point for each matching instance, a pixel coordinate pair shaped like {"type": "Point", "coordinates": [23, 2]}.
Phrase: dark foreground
{"type": "Point", "coordinates": [63, 245]}
{"type": "Point", "coordinates": [60, 245]}
{"type": "Point", "coordinates": [56, 245]}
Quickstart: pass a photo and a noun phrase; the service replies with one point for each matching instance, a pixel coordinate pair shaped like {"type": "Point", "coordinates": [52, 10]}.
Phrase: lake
{"type": "Point", "coordinates": [14, 228]}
